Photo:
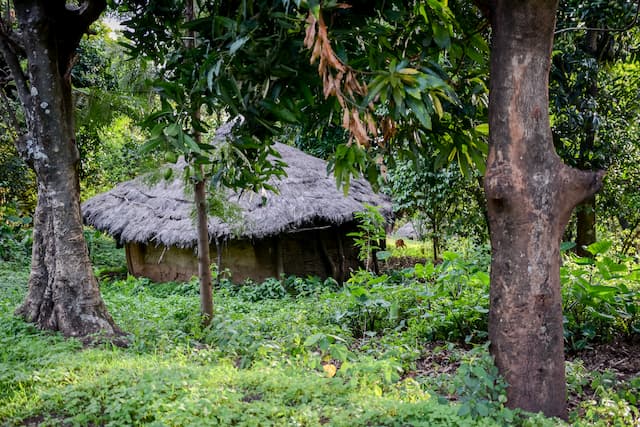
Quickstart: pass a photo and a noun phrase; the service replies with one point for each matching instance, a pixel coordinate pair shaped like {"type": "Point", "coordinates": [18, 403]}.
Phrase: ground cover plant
{"type": "Point", "coordinates": [406, 347]}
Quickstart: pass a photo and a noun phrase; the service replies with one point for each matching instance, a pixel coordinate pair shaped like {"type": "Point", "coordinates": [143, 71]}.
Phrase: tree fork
{"type": "Point", "coordinates": [530, 195]}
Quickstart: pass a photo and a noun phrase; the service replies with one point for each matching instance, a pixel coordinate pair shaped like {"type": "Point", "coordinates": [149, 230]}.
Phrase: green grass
{"type": "Point", "coordinates": [411, 248]}
{"type": "Point", "coordinates": [341, 358]}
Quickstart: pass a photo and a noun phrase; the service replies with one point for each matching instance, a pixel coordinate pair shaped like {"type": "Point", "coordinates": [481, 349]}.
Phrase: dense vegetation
{"type": "Point", "coordinates": [404, 348]}
{"type": "Point", "coordinates": [407, 346]}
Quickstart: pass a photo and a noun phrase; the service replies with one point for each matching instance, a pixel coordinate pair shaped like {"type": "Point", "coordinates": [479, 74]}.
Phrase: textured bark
{"type": "Point", "coordinates": [63, 292]}
{"type": "Point", "coordinates": [530, 195]}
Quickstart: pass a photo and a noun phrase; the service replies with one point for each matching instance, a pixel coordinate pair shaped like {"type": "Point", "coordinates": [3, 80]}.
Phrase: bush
{"type": "Point", "coordinates": [601, 298]}
{"type": "Point", "coordinates": [15, 235]}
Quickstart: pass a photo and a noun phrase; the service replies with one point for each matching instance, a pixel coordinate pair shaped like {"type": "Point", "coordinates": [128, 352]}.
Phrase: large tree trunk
{"type": "Point", "coordinates": [530, 195]}
{"type": "Point", "coordinates": [63, 292]}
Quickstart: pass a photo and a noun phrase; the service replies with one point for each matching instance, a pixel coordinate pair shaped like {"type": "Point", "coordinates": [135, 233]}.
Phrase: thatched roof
{"type": "Point", "coordinates": [161, 213]}
{"type": "Point", "coordinates": [407, 231]}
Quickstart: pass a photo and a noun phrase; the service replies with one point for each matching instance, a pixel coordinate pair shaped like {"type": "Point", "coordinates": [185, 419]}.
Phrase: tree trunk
{"type": "Point", "coordinates": [204, 259]}
{"type": "Point", "coordinates": [585, 226]}
{"type": "Point", "coordinates": [63, 292]}
{"type": "Point", "coordinates": [586, 211]}
{"type": "Point", "coordinates": [530, 195]}
{"type": "Point", "coordinates": [200, 190]}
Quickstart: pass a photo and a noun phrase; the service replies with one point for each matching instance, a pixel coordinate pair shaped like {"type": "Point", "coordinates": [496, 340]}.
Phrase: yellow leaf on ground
{"type": "Point", "coordinates": [330, 369]}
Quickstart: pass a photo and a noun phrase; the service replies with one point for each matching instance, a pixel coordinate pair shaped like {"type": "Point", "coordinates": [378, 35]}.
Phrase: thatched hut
{"type": "Point", "coordinates": [300, 231]}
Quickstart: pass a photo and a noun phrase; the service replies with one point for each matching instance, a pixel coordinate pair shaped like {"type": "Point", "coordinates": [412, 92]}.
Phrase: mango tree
{"type": "Point", "coordinates": [530, 192]}
{"type": "Point", "coordinates": [592, 111]}
{"type": "Point", "coordinates": [39, 48]}
{"type": "Point", "coordinates": [530, 195]}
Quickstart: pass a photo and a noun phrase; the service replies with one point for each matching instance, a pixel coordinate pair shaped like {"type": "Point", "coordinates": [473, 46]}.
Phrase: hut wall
{"type": "Point", "coordinates": [242, 258]}
{"type": "Point", "coordinates": [325, 252]}
{"type": "Point", "coordinates": [161, 264]}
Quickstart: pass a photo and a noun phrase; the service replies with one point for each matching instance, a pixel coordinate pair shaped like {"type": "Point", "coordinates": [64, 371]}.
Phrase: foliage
{"type": "Point", "coordinates": [270, 361]}
{"type": "Point", "coordinates": [612, 402]}
{"type": "Point", "coordinates": [116, 158]}
{"type": "Point", "coordinates": [247, 60]}
{"type": "Point", "coordinates": [425, 67]}
{"type": "Point", "coordinates": [216, 75]}
{"type": "Point", "coordinates": [439, 202]}
{"type": "Point", "coordinates": [110, 95]}
{"type": "Point", "coordinates": [15, 235]}
{"type": "Point", "coordinates": [16, 179]}
{"type": "Point", "coordinates": [481, 390]}
{"type": "Point", "coordinates": [370, 235]}
{"type": "Point", "coordinates": [292, 286]}
{"type": "Point", "coordinates": [594, 100]}
{"type": "Point", "coordinates": [601, 297]}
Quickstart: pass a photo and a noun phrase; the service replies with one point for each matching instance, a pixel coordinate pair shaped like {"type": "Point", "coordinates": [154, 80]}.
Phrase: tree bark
{"type": "Point", "coordinates": [63, 292]}
{"type": "Point", "coordinates": [204, 258]}
{"type": "Point", "coordinates": [200, 196]}
{"type": "Point", "coordinates": [530, 195]}
{"type": "Point", "coordinates": [585, 226]}
{"type": "Point", "coordinates": [586, 211]}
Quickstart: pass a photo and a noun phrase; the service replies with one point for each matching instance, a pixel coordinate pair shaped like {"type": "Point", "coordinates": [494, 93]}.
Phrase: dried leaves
{"type": "Point", "coordinates": [339, 80]}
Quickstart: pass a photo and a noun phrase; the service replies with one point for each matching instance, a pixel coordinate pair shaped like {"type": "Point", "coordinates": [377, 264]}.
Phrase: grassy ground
{"type": "Point", "coordinates": [387, 350]}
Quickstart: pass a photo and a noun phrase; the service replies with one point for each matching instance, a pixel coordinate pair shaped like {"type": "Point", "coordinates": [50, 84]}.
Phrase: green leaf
{"type": "Point", "coordinates": [420, 112]}
{"type": "Point", "coordinates": [150, 145]}
{"type": "Point", "coordinates": [465, 410]}
{"type": "Point", "coordinates": [172, 130]}
{"type": "Point", "coordinates": [237, 44]}
{"type": "Point", "coordinates": [482, 409]}
{"type": "Point", "coordinates": [441, 36]}
{"type": "Point", "coordinates": [600, 247]}
{"type": "Point", "coordinates": [314, 339]}
{"type": "Point", "coordinates": [482, 128]}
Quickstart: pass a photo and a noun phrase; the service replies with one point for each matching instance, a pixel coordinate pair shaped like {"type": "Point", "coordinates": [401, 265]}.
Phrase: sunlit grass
{"type": "Point", "coordinates": [409, 248]}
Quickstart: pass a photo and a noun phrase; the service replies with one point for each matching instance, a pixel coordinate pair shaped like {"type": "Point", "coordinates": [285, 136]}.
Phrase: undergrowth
{"type": "Point", "coordinates": [295, 351]}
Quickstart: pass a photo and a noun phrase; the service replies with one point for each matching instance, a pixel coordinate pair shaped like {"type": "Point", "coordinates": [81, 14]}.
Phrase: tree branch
{"type": "Point", "coordinates": [9, 111]}
{"type": "Point", "coordinates": [87, 13]}
{"type": "Point", "coordinates": [13, 62]}
{"type": "Point", "coordinates": [74, 22]}
{"type": "Point", "coordinates": [13, 38]}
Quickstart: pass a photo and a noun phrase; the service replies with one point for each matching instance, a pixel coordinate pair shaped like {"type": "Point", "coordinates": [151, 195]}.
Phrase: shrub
{"type": "Point", "coordinates": [15, 235]}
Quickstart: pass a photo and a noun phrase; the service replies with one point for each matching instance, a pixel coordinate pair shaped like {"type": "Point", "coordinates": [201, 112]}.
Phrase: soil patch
{"type": "Point", "coordinates": [398, 263]}
{"type": "Point", "coordinates": [622, 357]}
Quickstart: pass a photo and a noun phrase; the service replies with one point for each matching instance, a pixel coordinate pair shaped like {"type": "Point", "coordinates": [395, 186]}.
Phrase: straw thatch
{"type": "Point", "coordinates": [407, 231]}
{"type": "Point", "coordinates": [161, 214]}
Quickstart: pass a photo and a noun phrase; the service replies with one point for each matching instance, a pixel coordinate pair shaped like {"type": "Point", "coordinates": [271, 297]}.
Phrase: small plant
{"type": "Point", "coordinates": [15, 235]}
{"type": "Point", "coordinates": [601, 298]}
{"type": "Point", "coordinates": [271, 288]}
{"type": "Point", "coordinates": [370, 236]}
{"type": "Point", "coordinates": [478, 385]}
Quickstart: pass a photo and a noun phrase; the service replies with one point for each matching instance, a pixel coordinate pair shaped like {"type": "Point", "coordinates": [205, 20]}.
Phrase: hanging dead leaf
{"type": "Point", "coordinates": [339, 80]}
